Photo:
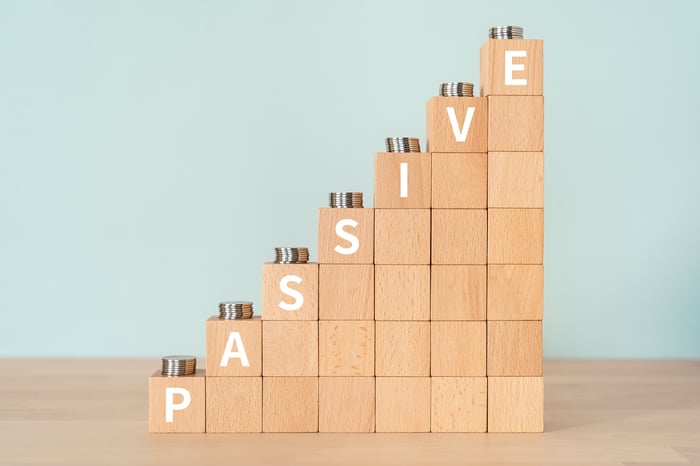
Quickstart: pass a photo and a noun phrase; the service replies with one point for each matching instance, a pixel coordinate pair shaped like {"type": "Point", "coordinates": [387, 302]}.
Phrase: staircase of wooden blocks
{"type": "Point", "coordinates": [423, 314]}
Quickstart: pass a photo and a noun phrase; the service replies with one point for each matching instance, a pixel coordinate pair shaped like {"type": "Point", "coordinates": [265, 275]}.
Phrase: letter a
{"type": "Point", "coordinates": [234, 338]}
{"type": "Point", "coordinates": [460, 134]}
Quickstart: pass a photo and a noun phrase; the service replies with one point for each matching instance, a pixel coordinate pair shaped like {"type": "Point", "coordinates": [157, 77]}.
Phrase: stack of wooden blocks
{"type": "Point", "coordinates": [423, 314]}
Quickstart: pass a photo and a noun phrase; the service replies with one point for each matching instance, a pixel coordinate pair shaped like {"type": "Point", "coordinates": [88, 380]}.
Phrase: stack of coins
{"type": "Point", "coordinates": [402, 145]}
{"type": "Point", "coordinates": [345, 200]}
{"type": "Point", "coordinates": [457, 90]}
{"type": "Point", "coordinates": [506, 32]}
{"type": "Point", "coordinates": [291, 255]}
{"type": "Point", "coordinates": [174, 366]}
{"type": "Point", "coordinates": [231, 310]}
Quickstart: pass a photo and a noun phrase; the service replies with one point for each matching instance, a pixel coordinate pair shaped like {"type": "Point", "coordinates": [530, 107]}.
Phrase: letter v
{"type": "Point", "coordinates": [460, 134]}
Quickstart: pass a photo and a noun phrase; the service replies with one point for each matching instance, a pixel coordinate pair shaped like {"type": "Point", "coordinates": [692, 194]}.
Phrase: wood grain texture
{"type": "Point", "coordinates": [493, 67]}
{"type": "Point", "coordinates": [387, 180]}
{"type": "Point", "coordinates": [516, 124]}
{"type": "Point", "coordinates": [514, 348]}
{"type": "Point", "coordinates": [218, 332]}
{"type": "Point", "coordinates": [459, 181]}
{"type": "Point", "coordinates": [516, 404]}
{"type": "Point", "coordinates": [272, 294]}
{"type": "Point", "coordinates": [403, 404]}
{"type": "Point", "coordinates": [516, 179]}
{"type": "Point", "coordinates": [515, 292]}
{"type": "Point", "coordinates": [402, 236]}
{"type": "Point", "coordinates": [328, 218]}
{"type": "Point", "coordinates": [459, 236]}
{"type": "Point", "coordinates": [402, 292]}
{"type": "Point", "coordinates": [346, 404]}
{"type": "Point", "coordinates": [188, 420]}
{"type": "Point", "coordinates": [290, 404]}
{"type": "Point", "coordinates": [458, 349]}
{"type": "Point", "coordinates": [516, 236]}
{"type": "Point", "coordinates": [440, 134]}
{"type": "Point", "coordinates": [346, 292]}
{"type": "Point", "coordinates": [234, 404]}
{"type": "Point", "coordinates": [346, 348]}
{"type": "Point", "coordinates": [403, 349]}
{"type": "Point", "coordinates": [458, 292]}
{"type": "Point", "coordinates": [458, 404]}
{"type": "Point", "coordinates": [290, 348]}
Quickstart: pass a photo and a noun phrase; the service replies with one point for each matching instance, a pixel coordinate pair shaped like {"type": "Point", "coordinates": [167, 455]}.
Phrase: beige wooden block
{"type": "Point", "coordinates": [234, 347]}
{"type": "Point", "coordinates": [402, 236]}
{"type": "Point", "coordinates": [511, 67]}
{"type": "Point", "coordinates": [458, 292]}
{"type": "Point", "coordinates": [290, 404]}
{"type": "Point", "coordinates": [516, 124]}
{"type": "Point", "coordinates": [456, 124]}
{"type": "Point", "coordinates": [458, 404]}
{"type": "Point", "coordinates": [402, 292]}
{"type": "Point", "coordinates": [459, 236]}
{"type": "Point", "coordinates": [345, 236]}
{"type": "Point", "coordinates": [403, 404]}
{"type": "Point", "coordinates": [176, 404]}
{"type": "Point", "coordinates": [234, 404]}
{"type": "Point", "coordinates": [516, 179]}
{"type": "Point", "coordinates": [346, 348]}
{"type": "Point", "coordinates": [516, 236]}
{"type": "Point", "coordinates": [346, 404]}
{"type": "Point", "coordinates": [394, 191]}
{"type": "Point", "coordinates": [516, 404]}
{"type": "Point", "coordinates": [290, 291]}
{"type": "Point", "coordinates": [459, 181]}
{"type": "Point", "coordinates": [346, 292]}
{"type": "Point", "coordinates": [458, 349]}
{"type": "Point", "coordinates": [402, 349]}
{"type": "Point", "coordinates": [290, 348]}
{"type": "Point", "coordinates": [515, 292]}
{"type": "Point", "coordinates": [514, 348]}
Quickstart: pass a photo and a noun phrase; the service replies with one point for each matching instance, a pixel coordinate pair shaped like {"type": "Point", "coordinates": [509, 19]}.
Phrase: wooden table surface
{"type": "Point", "coordinates": [93, 411]}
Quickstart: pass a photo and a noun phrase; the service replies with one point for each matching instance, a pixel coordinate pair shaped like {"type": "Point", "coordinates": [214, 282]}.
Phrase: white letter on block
{"type": "Point", "coordinates": [234, 338]}
{"type": "Point", "coordinates": [510, 67]}
{"type": "Point", "coordinates": [298, 297]}
{"type": "Point", "coordinates": [404, 179]}
{"type": "Point", "coordinates": [352, 239]}
{"type": "Point", "coordinates": [460, 134]}
{"type": "Point", "coordinates": [170, 406]}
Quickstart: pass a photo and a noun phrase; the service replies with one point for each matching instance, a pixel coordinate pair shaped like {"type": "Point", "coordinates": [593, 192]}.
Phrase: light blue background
{"type": "Point", "coordinates": [152, 155]}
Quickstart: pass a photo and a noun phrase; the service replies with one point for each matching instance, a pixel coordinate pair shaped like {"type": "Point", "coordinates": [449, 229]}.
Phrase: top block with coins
{"type": "Point", "coordinates": [402, 176]}
{"type": "Point", "coordinates": [290, 286]}
{"type": "Point", "coordinates": [345, 230]}
{"type": "Point", "coordinates": [456, 120]}
{"type": "Point", "coordinates": [511, 65]}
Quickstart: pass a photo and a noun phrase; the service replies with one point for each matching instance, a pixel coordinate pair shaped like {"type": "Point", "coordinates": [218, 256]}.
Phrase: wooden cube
{"type": "Point", "coordinates": [346, 404]}
{"type": "Point", "coordinates": [516, 124]}
{"type": "Point", "coordinates": [234, 347]}
{"type": "Point", "coordinates": [511, 67]}
{"type": "Point", "coordinates": [346, 348]}
{"type": "Point", "coordinates": [402, 349]}
{"type": "Point", "coordinates": [290, 404]}
{"type": "Point", "coordinates": [458, 292]}
{"type": "Point", "coordinates": [516, 404]}
{"type": "Point", "coordinates": [516, 236]}
{"type": "Point", "coordinates": [290, 348]}
{"type": "Point", "coordinates": [515, 292]}
{"type": "Point", "coordinates": [514, 348]}
{"type": "Point", "coordinates": [459, 236]}
{"type": "Point", "coordinates": [516, 179]}
{"type": "Point", "coordinates": [402, 292]}
{"type": "Point", "coordinates": [403, 404]}
{"type": "Point", "coordinates": [402, 180]}
{"type": "Point", "coordinates": [290, 291]}
{"type": "Point", "coordinates": [402, 236]}
{"type": "Point", "coordinates": [345, 236]}
{"type": "Point", "coordinates": [234, 404]}
{"type": "Point", "coordinates": [346, 292]}
{"type": "Point", "coordinates": [459, 181]}
{"type": "Point", "coordinates": [458, 404]}
{"type": "Point", "coordinates": [456, 124]}
{"type": "Point", "coordinates": [176, 404]}
{"type": "Point", "coordinates": [458, 349]}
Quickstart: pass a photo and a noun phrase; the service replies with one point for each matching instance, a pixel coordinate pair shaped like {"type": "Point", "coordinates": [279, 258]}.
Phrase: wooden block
{"type": "Point", "coordinates": [456, 124]}
{"type": "Point", "coordinates": [403, 404]}
{"type": "Point", "coordinates": [511, 67]}
{"type": "Point", "coordinates": [515, 292]}
{"type": "Point", "coordinates": [346, 404]}
{"type": "Point", "coordinates": [458, 404]}
{"type": "Point", "coordinates": [516, 179]}
{"type": "Point", "coordinates": [459, 236]}
{"type": "Point", "coordinates": [402, 180]}
{"type": "Point", "coordinates": [346, 348]}
{"type": "Point", "coordinates": [516, 236]}
{"type": "Point", "coordinates": [402, 236]}
{"type": "Point", "coordinates": [234, 347]}
{"type": "Point", "coordinates": [290, 348]}
{"type": "Point", "coordinates": [458, 349]}
{"type": "Point", "coordinates": [459, 181]}
{"type": "Point", "coordinates": [516, 404]}
{"type": "Point", "coordinates": [402, 349]}
{"type": "Point", "coordinates": [516, 124]}
{"type": "Point", "coordinates": [402, 292]}
{"type": "Point", "coordinates": [346, 292]}
{"type": "Point", "coordinates": [290, 404]}
{"type": "Point", "coordinates": [234, 404]}
{"type": "Point", "coordinates": [290, 291]}
{"type": "Point", "coordinates": [514, 348]}
{"type": "Point", "coordinates": [345, 236]}
{"type": "Point", "coordinates": [176, 404]}
{"type": "Point", "coordinates": [458, 292]}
